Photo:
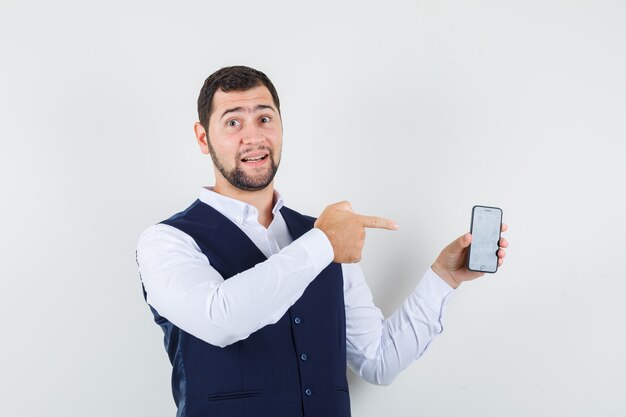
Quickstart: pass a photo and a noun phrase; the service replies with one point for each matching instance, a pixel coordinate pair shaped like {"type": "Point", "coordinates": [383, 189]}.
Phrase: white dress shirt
{"type": "Point", "coordinates": [182, 286]}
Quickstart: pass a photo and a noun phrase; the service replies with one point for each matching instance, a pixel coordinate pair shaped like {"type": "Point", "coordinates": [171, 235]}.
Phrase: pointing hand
{"type": "Point", "coordinates": [346, 230]}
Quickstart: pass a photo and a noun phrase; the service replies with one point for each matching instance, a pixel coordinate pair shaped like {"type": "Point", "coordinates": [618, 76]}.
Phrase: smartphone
{"type": "Point", "coordinates": [485, 228]}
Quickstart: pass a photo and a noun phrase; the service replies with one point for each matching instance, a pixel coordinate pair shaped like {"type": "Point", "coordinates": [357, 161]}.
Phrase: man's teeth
{"type": "Point", "coordinates": [255, 159]}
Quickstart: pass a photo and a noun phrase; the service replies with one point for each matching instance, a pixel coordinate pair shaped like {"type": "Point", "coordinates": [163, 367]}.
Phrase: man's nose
{"type": "Point", "coordinates": [251, 134]}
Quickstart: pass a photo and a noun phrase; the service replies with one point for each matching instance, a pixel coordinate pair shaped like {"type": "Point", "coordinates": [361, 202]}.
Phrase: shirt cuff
{"type": "Point", "coordinates": [434, 291]}
{"type": "Point", "coordinates": [318, 248]}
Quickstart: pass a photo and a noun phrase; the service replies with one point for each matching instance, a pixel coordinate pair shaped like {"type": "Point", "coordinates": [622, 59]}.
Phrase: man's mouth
{"type": "Point", "coordinates": [255, 158]}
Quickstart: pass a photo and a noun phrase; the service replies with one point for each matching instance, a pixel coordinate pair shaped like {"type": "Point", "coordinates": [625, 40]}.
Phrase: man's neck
{"type": "Point", "coordinates": [262, 200]}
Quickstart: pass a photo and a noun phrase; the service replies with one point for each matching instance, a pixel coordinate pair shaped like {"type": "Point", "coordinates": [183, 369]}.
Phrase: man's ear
{"type": "Point", "coordinates": [201, 137]}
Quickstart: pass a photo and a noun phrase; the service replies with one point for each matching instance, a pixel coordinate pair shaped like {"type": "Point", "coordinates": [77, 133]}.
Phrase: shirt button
{"type": "Point", "coordinates": [297, 320]}
{"type": "Point", "coordinates": [304, 357]}
{"type": "Point", "coordinates": [308, 392]}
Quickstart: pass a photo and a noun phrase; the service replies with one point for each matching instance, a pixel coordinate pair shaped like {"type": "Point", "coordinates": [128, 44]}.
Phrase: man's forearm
{"type": "Point", "coordinates": [184, 288]}
{"type": "Point", "coordinates": [378, 349]}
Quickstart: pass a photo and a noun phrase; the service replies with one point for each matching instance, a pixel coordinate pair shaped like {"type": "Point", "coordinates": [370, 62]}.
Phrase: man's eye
{"type": "Point", "coordinates": [265, 119]}
{"type": "Point", "coordinates": [233, 123]}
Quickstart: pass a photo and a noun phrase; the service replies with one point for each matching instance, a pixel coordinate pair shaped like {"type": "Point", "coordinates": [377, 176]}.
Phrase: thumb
{"type": "Point", "coordinates": [463, 241]}
{"type": "Point", "coordinates": [342, 206]}
{"type": "Point", "coordinates": [459, 245]}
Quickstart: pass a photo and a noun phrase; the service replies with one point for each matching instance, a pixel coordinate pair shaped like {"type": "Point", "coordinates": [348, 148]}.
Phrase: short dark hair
{"type": "Point", "coordinates": [235, 78]}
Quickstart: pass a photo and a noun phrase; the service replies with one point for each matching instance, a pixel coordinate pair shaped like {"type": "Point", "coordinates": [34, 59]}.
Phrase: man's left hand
{"type": "Point", "coordinates": [450, 264]}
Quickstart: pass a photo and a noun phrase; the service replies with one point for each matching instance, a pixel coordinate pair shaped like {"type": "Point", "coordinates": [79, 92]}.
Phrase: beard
{"type": "Point", "coordinates": [242, 180]}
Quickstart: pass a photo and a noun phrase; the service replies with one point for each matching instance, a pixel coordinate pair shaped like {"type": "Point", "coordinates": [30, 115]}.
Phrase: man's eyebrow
{"type": "Point", "coordinates": [247, 109]}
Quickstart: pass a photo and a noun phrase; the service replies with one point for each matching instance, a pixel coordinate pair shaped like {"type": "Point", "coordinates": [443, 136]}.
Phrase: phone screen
{"type": "Point", "coordinates": [485, 229]}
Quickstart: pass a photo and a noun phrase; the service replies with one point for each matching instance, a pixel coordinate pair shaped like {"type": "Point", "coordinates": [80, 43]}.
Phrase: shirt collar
{"type": "Point", "coordinates": [236, 210]}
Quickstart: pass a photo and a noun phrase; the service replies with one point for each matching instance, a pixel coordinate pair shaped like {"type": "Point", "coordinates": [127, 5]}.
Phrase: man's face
{"type": "Point", "coordinates": [245, 137]}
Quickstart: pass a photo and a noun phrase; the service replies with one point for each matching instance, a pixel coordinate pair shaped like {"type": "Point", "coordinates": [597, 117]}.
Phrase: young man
{"type": "Point", "coordinates": [262, 307]}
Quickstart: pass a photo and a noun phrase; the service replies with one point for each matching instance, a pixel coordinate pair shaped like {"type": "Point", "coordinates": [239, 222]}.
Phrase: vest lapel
{"type": "Point", "coordinates": [296, 222]}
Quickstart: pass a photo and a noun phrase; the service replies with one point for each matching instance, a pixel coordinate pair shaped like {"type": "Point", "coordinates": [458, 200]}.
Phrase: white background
{"type": "Point", "coordinates": [413, 110]}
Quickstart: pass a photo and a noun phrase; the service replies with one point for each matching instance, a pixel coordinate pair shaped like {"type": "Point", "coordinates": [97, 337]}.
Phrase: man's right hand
{"type": "Point", "coordinates": [346, 230]}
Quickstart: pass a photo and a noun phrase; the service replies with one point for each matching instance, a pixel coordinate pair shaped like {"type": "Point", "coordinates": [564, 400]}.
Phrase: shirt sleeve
{"type": "Point", "coordinates": [379, 349]}
{"type": "Point", "coordinates": [182, 286]}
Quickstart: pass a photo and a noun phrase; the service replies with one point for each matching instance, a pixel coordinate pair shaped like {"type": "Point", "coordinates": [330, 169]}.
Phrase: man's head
{"type": "Point", "coordinates": [240, 127]}
{"type": "Point", "coordinates": [236, 78]}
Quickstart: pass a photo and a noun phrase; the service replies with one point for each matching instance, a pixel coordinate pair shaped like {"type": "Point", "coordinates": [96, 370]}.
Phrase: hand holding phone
{"type": "Point", "coordinates": [485, 229]}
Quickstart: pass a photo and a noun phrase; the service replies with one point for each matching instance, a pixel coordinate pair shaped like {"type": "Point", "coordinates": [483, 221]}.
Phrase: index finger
{"type": "Point", "coordinates": [375, 222]}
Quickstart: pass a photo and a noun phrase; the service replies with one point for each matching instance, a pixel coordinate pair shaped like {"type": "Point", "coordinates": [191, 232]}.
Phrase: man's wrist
{"type": "Point", "coordinates": [317, 245]}
{"type": "Point", "coordinates": [445, 275]}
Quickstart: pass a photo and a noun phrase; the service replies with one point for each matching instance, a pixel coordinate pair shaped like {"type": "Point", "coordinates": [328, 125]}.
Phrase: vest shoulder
{"type": "Point", "coordinates": [182, 214]}
{"type": "Point", "coordinates": [291, 212]}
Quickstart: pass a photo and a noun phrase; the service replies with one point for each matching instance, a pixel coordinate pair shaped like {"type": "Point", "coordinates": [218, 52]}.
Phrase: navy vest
{"type": "Point", "coordinates": [295, 367]}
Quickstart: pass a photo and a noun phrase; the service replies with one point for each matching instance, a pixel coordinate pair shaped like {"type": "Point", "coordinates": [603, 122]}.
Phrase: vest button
{"type": "Point", "coordinates": [308, 392]}
{"type": "Point", "coordinates": [297, 320]}
{"type": "Point", "coordinates": [304, 357]}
